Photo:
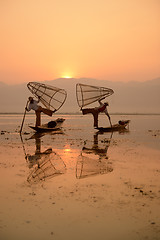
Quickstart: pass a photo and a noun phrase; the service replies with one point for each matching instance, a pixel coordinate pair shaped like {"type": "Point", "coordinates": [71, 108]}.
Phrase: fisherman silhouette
{"type": "Point", "coordinates": [96, 111]}
{"type": "Point", "coordinates": [33, 105]}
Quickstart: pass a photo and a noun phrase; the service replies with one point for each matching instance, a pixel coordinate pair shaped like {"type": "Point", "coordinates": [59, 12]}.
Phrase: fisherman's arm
{"type": "Point", "coordinates": [106, 112]}
{"type": "Point", "coordinates": [100, 103]}
{"type": "Point", "coordinates": [101, 99]}
{"type": "Point", "coordinates": [28, 108]}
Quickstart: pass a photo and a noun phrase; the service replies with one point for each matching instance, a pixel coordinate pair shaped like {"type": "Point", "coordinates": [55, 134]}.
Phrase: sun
{"type": "Point", "coordinates": [66, 76]}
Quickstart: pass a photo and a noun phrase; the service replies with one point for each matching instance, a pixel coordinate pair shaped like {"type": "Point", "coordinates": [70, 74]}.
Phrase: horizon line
{"type": "Point", "coordinates": [83, 78]}
{"type": "Point", "coordinates": [77, 113]}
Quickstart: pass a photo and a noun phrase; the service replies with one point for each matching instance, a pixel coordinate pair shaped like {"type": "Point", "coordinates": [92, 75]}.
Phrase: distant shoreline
{"type": "Point", "coordinates": [78, 113]}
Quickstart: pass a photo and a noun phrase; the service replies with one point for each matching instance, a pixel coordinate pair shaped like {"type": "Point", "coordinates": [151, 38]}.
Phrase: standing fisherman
{"type": "Point", "coordinates": [95, 112]}
{"type": "Point", "coordinates": [33, 104]}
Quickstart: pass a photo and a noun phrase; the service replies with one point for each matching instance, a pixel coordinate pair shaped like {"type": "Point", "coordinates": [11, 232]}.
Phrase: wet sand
{"type": "Point", "coordinates": [80, 184]}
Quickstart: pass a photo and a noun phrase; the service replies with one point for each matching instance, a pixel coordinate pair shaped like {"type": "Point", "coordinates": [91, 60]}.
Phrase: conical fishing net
{"type": "Point", "coordinates": [51, 97]}
{"type": "Point", "coordinates": [87, 94]}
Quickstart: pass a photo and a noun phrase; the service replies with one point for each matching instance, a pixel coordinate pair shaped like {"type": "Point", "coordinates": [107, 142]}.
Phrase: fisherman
{"type": "Point", "coordinates": [33, 104]}
{"type": "Point", "coordinates": [95, 112]}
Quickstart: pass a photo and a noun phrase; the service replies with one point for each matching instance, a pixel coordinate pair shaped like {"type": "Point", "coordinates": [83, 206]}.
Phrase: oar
{"type": "Point", "coordinates": [24, 117]}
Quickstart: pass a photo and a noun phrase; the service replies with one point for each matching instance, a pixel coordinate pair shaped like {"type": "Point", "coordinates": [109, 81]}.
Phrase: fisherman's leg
{"type": "Point", "coordinates": [38, 118]}
{"type": "Point", "coordinates": [95, 116]}
{"type": "Point", "coordinates": [87, 110]}
{"type": "Point", "coordinates": [94, 113]}
{"type": "Point", "coordinates": [47, 111]}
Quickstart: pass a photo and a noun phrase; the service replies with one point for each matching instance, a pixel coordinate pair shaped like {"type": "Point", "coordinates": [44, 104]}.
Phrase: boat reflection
{"type": "Point", "coordinates": [93, 160]}
{"type": "Point", "coordinates": [43, 164]}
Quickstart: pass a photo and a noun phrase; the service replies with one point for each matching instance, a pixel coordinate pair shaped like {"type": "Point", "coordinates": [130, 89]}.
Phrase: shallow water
{"type": "Point", "coordinates": [142, 127]}
{"type": "Point", "coordinates": [78, 183]}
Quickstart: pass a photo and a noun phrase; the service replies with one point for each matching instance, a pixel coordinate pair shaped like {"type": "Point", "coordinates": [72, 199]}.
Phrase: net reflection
{"type": "Point", "coordinates": [44, 164]}
{"type": "Point", "coordinates": [49, 165]}
{"type": "Point", "coordinates": [94, 160]}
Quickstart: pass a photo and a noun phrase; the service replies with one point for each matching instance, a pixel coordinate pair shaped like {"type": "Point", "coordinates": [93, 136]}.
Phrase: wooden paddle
{"type": "Point", "coordinates": [23, 117]}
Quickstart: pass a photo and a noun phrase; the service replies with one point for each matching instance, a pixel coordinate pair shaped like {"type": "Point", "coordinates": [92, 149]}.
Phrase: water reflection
{"type": "Point", "coordinates": [49, 165]}
{"type": "Point", "coordinates": [43, 164]}
{"type": "Point", "coordinates": [93, 160]}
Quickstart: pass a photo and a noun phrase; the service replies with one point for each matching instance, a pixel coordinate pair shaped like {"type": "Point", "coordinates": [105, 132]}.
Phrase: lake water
{"type": "Point", "coordinates": [142, 127]}
{"type": "Point", "coordinates": [78, 183]}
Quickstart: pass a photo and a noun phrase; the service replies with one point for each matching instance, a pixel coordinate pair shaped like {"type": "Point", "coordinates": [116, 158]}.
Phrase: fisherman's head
{"type": "Point", "coordinates": [30, 99]}
{"type": "Point", "coordinates": [106, 104]}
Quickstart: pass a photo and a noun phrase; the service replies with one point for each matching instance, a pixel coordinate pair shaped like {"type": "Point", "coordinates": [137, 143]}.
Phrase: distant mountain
{"type": "Point", "coordinates": [130, 97]}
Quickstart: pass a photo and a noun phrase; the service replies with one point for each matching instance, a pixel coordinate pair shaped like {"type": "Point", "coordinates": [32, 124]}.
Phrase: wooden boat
{"type": "Point", "coordinates": [44, 129]}
{"type": "Point", "coordinates": [120, 126]}
{"type": "Point", "coordinates": [50, 126]}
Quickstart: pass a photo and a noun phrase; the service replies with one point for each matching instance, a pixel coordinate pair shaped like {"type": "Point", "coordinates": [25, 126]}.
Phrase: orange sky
{"type": "Point", "coordinates": [116, 40]}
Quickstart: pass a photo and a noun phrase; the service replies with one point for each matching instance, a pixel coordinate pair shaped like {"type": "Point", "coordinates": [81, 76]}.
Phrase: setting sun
{"type": "Point", "coordinates": [66, 76]}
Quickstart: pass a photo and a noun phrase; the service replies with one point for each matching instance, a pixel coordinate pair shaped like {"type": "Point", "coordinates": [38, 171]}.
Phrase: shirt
{"type": "Point", "coordinates": [33, 105]}
{"type": "Point", "coordinates": [102, 108]}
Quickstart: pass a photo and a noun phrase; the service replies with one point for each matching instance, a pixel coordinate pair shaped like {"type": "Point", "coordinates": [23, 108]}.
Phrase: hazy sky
{"type": "Point", "coordinates": [117, 40]}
